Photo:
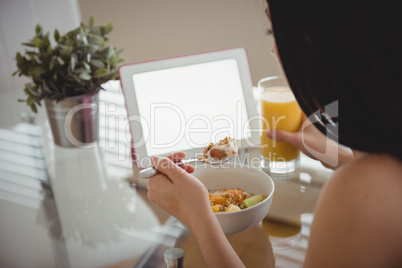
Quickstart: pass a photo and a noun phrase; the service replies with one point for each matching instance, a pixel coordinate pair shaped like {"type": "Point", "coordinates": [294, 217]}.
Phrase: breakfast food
{"type": "Point", "coordinates": [220, 151]}
{"type": "Point", "coordinates": [227, 200]}
{"type": "Point", "coordinates": [254, 200]}
{"type": "Point", "coordinates": [233, 200]}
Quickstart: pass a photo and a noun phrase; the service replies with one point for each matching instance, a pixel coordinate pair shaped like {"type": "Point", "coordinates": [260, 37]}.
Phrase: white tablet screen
{"type": "Point", "coordinates": [189, 106]}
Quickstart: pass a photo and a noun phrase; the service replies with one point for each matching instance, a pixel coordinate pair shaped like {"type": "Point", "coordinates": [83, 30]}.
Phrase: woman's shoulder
{"type": "Point", "coordinates": [371, 182]}
{"type": "Point", "coordinates": [371, 172]}
{"type": "Point", "coordinates": [358, 215]}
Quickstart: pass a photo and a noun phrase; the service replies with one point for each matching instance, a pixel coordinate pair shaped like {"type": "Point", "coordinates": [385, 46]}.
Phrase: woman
{"type": "Point", "coordinates": [350, 55]}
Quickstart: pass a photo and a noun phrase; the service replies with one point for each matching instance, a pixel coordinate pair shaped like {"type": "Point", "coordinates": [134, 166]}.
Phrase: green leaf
{"type": "Point", "coordinates": [33, 92]}
{"type": "Point", "coordinates": [30, 100]}
{"type": "Point", "coordinates": [37, 42]}
{"type": "Point", "coordinates": [91, 21]}
{"type": "Point", "coordinates": [51, 65]}
{"type": "Point", "coordinates": [102, 30]}
{"type": "Point", "coordinates": [87, 66]}
{"type": "Point", "coordinates": [85, 76]}
{"type": "Point", "coordinates": [73, 61]}
{"type": "Point", "coordinates": [85, 40]}
{"type": "Point", "coordinates": [97, 63]}
{"type": "Point", "coordinates": [19, 59]}
{"type": "Point", "coordinates": [38, 70]}
{"type": "Point", "coordinates": [110, 52]}
{"type": "Point", "coordinates": [60, 61]}
{"type": "Point", "coordinates": [108, 27]}
{"type": "Point", "coordinates": [66, 51]}
{"type": "Point", "coordinates": [100, 72]}
{"type": "Point", "coordinates": [21, 100]}
{"type": "Point", "coordinates": [30, 44]}
{"type": "Point", "coordinates": [96, 30]}
{"type": "Point", "coordinates": [95, 39]}
{"type": "Point", "coordinates": [56, 35]}
{"type": "Point", "coordinates": [113, 59]}
{"type": "Point", "coordinates": [82, 32]}
{"type": "Point", "coordinates": [46, 41]}
{"type": "Point", "coordinates": [33, 108]}
{"type": "Point", "coordinates": [38, 29]}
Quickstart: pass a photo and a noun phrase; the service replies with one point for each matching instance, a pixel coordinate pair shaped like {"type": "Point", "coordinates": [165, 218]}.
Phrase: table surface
{"type": "Point", "coordinates": [61, 207]}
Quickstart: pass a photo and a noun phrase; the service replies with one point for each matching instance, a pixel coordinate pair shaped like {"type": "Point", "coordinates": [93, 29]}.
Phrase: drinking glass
{"type": "Point", "coordinates": [279, 110]}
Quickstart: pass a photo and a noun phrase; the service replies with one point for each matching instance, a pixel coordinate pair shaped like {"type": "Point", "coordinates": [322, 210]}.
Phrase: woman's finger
{"type": "Point", "coordinates": [284, 136]}
{"type": "Point", "coordinates": [188, 168]}
{"type": "Point", "coordinates": [177, 157]}
{"type": "Point", "coordinates": [167, 167]}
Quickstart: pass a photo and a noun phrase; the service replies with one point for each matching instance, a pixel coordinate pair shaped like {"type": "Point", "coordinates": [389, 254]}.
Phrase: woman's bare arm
{"type": "Point", "coordinates": [186, 198]}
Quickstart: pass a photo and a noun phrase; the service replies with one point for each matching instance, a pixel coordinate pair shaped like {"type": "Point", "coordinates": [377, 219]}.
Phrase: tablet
{"type": "Point", "coordinates": [186, 102]}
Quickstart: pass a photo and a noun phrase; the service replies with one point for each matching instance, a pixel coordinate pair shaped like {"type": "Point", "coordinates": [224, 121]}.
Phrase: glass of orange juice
{"type": "Point", "coordinates": [279, 110]}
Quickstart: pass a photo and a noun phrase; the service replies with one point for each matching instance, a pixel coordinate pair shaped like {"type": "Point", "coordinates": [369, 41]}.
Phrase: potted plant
{"type": "Point", "coordinates": [68, 77]}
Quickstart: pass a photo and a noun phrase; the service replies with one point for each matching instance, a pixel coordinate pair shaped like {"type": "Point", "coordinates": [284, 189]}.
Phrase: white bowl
{"type": "Point", "coordinates": [247, 178]}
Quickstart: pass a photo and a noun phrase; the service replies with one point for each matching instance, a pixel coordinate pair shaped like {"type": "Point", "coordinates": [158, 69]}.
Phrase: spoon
{"type": "Point", "coordinates": [218, 156]}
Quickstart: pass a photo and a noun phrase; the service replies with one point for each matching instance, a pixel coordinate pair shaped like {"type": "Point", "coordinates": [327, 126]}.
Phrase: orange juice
{"type": "Point", "coordinates": [280, 111]}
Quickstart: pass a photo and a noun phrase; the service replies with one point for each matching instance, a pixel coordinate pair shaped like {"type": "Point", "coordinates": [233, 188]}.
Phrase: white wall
{"type": "Point", "coordinates": [152, 29]}
{"type": "Point", "coordinates": [18, 19]}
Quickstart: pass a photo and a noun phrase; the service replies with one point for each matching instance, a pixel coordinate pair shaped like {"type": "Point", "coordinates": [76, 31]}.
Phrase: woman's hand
{"type": "Point", "coordinates": [177, 191]}
{"type": "Point", "coordinates": [186, 198]}
{"type": "Point", "coordinates": [314, 144]}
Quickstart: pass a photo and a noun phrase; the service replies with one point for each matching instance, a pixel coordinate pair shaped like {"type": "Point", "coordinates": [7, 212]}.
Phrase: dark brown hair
{"type": "Point", "coordinates": [349, 53]}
